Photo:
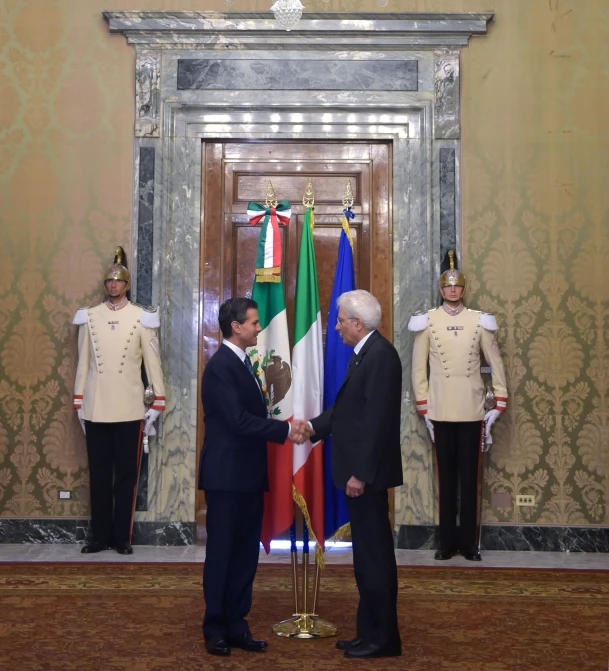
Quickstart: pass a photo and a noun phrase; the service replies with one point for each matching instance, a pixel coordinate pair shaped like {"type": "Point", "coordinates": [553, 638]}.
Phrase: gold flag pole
{"type": "Point", "coordinates": [304, 624]}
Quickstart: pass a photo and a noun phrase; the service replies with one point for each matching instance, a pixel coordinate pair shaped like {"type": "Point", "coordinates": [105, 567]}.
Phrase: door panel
{"type": "Point", "coordinates": [235, 173]}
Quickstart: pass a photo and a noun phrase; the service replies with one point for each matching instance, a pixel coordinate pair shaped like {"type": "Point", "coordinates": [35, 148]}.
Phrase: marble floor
{"type": "Point", "coordinates": [339, 555]}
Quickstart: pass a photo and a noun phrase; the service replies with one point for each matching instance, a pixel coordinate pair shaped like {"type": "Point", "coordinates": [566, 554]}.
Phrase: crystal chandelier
{"type": "Point", "coordinates": [287, 12]}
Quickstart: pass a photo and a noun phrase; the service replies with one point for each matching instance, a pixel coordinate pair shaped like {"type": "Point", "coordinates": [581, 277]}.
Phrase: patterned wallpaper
{"type": "Point", "coordinates": [535, 211]}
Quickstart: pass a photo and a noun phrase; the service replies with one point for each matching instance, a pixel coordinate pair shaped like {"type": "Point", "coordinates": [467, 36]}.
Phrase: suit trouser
{"type": "Point", "coordinates": [374, 567]}
{"type": "Point", "coordinates": [458, 450]}
{"type": "Point", "coordinates": [234, 523]}
{"type": "Point", "coordinates": [113, 450]}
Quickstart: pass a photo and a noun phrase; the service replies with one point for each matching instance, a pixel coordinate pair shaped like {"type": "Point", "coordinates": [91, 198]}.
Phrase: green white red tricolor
{"type": "Point", "coordinates": [273, 341]}
{"type": "Point", "coordinates": [308, 383]}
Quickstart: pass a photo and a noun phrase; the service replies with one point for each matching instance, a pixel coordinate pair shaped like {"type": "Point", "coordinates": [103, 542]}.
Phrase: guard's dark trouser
{"type": "Point", "coordinates": [234, 523]}
{"type": "Point", "coordinates": [113, 449]}
{"type": "Point", "coordinates": [458, 454]}
{"type": "Point", "coordinates": [374, 567]}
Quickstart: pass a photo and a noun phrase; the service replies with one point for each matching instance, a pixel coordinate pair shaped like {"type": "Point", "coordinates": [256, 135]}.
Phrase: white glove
{"type": "Point", "coordinates": [81, 420]}
{"type": "Point", "coordinates": [149, 419]}
{"type": "Point", "coordinates": [430, 428]}
{"type": "Point", "coordinates": [489, 420]}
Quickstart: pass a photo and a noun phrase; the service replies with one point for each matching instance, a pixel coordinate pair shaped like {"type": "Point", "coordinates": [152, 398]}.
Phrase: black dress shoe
{"type": "Point", "coordinates": [368, 650]}
{"type": "Point", "coordinates": [93, 547]}
{"type": "Point", "coordinates": [347, 643]}
{"type": "Point", "coordinates": [472, 556]}
{"type": "Point", "coordinates": [249, 643]}
{"type": "Point", "coordinates": [444, 554]}
{"type": "Point", "coordinates": [124, 548]}
{"type": "Point", "coordinates": [217, 646]}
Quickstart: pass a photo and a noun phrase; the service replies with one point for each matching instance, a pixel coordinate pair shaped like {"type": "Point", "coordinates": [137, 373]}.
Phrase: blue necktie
{"type": "Point", "coordinates": [250, 368]}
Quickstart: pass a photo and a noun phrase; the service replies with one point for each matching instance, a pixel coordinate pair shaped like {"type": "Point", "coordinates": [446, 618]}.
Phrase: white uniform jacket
{"type": "Point", "coordinates": [111, 347]}
{"type": "Point", "coordinates": [454, 390]}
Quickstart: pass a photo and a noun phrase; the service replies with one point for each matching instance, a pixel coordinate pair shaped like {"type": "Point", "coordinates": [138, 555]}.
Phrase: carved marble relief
{"type": "Point", "coordinates": [147, 93]}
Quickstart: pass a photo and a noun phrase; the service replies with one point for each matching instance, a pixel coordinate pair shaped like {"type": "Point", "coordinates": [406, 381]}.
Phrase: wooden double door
{"type": "Point", "coordinates": [235, 173]}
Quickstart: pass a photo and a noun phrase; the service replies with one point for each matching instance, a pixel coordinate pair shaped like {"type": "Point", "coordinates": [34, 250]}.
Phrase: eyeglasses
{"type": "Point", "coordinates": [341, 321]}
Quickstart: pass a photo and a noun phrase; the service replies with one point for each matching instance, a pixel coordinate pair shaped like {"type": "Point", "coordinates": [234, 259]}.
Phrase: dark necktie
{"type": "Point", "coordinates": [250, 368]}
{"type": "Point", "coordinates": [352, 361]}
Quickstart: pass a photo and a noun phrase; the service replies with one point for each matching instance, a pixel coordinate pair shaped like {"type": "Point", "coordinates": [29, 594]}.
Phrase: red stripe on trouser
{"type": "Point", "coordinates": [139, 464]}
{"type": "Point", "coordinates": [435, 451]}
{"type": "Point", "coordinates": [479, 487]}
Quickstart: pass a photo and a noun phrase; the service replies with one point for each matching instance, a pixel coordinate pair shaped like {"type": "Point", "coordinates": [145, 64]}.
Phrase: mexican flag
{"type": "Point", "coordinates": [271, 361]}
{"type": "Point", "coordinates": [308, 366]}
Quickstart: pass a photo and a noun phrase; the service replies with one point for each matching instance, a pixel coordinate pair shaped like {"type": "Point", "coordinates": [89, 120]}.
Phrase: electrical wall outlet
{"type": "Point", "coordinates": [64, 494]}
{"type": "Point", "coordinates": [525, 500]}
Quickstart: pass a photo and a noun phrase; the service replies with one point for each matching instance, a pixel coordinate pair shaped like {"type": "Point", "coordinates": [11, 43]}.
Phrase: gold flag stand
{"type": "Point", "coordinates": [304, 623]}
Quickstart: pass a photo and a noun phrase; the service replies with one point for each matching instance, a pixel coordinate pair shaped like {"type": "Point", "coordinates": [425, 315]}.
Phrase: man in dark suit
{"type": "Point", "coordinates": [233, 474]}
{"type": "Point", "coordinates": [366, 461]}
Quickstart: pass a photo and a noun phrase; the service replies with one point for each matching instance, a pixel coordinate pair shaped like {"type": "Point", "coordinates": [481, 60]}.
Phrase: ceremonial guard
{"type": "Point", "coordinates": [448, 341]}
{"type": "Point", "coordinates": [113, 340]}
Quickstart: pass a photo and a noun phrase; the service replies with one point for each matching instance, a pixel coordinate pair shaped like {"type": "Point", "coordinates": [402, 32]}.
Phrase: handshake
{"type": "Point", "coordinates": [300, 431]}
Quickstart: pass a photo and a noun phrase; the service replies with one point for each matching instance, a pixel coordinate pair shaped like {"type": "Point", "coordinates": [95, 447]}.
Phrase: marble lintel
{"type": "Point", "coordinates": [259, 30]}
{"type": "Point", "coordinates": [302, 74]}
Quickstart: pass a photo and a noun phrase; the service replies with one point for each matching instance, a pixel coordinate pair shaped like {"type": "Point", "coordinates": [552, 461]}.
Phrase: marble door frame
{"type": "Point", "coordinates": [208, 76]}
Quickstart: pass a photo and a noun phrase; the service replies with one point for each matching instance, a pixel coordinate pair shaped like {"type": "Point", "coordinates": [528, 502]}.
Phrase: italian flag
{"type": "Point", "coordinates": [308, 384]}
{"type": "Point", "coordinates": [271, 361]}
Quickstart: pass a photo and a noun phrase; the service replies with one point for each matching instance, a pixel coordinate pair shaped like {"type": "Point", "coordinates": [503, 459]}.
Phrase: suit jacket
{"type": "Point", "coordinates": [236, 427]}
{"type": "Point", "coordinates": [365, 419]}
{"type": "Point", "coordinates": [111, 347]}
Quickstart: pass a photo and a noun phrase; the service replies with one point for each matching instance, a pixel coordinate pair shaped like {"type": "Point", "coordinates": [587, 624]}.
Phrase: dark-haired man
{"type": "Point", "coordinates": [233, 474]}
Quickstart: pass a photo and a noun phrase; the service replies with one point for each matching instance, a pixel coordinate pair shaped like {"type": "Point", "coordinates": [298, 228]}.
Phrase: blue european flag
{"type": "Point", "coordinates": [335, 367]}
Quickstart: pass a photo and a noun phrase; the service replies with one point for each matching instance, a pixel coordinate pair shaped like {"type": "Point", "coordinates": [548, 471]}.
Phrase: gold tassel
{"type": "Point", "coordinates": [302, 504]}
{"type": "Point", "coordinates": [341, 533]}
{"type": "Point", "coordinates": [347, 230]}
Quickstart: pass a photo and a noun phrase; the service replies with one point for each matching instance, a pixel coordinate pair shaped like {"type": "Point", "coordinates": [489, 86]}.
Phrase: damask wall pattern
{"type": "Point", "coordinates": [535, 212]}
{"type": "Point", "coordinates": [536, 243]}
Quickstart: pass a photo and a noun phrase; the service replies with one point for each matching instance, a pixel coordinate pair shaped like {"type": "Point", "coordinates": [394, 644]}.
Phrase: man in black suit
{"type": "Point", "coordinates": [233, 474]}
{"type": "Point", "coordinates": [366, 461]}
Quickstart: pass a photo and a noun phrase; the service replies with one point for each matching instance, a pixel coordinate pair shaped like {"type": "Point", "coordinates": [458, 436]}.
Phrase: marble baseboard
{"type": "Point", "coordinates": [513, 537]}
{"type": "Point", "coordinates": [49, 531]}
{"type": "Point", "coordinates": [164, 533]}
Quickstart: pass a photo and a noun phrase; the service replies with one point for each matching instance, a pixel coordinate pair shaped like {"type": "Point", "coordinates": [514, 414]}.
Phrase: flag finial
{"type": "Point", "coordinates": [308, 200]}
{"type": "Point", "coordinates": [270, 199]}
{"type": "Point", "coordinates": [348, 195]}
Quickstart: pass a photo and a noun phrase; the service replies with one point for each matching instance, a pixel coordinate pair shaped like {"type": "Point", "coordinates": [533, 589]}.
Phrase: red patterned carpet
{"type": "Point", "coordinates": [147, 617]}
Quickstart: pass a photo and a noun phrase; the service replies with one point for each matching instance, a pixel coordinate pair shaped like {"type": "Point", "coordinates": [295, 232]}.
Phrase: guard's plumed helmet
{"type": "Point", "coordinates": [452, 277]}
{"type": "Point", "coordinates": [118, 270]}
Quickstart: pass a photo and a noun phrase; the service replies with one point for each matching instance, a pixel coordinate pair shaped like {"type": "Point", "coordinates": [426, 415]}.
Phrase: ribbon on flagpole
{"type": "Point", "coordinates": [268, 258]}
